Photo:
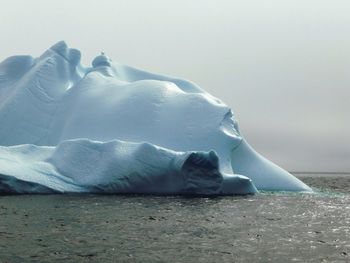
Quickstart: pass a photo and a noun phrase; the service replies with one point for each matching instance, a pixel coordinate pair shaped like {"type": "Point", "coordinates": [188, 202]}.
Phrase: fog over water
{"type": "Point", "coordinates": [283, 66]}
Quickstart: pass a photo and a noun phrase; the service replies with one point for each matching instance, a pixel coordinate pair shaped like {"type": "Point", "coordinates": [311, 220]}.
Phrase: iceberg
{"type": "Point", "coordinates": [112, 128]}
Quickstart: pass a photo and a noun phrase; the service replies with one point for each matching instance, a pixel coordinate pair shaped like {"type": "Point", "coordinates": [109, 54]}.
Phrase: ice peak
{"type": "Point", "coordinates": [70, 54]}
{"type": "Point", "coordinates": [60, 47]}
{"type": "Point", "coordinates": [101, 60]}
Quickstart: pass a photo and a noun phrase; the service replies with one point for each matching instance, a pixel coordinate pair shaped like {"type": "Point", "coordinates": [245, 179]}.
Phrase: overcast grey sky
{"type": "Point", "coordinates": [282, 65]}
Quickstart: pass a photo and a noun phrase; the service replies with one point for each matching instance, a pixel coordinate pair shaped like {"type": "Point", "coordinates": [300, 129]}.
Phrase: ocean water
{"type": "Point", "coordinates": [268, 227]}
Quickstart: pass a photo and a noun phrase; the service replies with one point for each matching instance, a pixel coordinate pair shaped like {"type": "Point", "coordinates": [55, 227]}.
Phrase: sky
{"type": "Point", "coordinates": [282, 66]}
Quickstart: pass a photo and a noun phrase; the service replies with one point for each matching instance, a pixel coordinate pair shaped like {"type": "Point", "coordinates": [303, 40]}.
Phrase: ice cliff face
{"type": "Point", "coordinates": [54, 100]}
{"type": "Point", "coordinates": [114, 167]}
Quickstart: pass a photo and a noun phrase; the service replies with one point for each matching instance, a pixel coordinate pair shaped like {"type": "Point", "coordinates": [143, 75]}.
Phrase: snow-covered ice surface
{"type": "Point", "coordinates": [144, 133]}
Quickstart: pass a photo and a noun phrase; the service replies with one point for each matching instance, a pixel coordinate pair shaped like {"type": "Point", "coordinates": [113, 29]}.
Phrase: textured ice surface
{"type": "Point", "coordinates": [114, 167]}
{"type": "Point", "coordinates": [53, 99]}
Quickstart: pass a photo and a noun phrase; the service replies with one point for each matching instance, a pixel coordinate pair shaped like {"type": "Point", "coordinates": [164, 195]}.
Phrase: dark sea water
{"type": "Point", "coordinates": [268, 227]}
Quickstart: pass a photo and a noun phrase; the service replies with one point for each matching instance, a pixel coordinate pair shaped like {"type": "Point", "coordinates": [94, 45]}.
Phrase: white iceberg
{"type": "Point", "coordinates": [47, 104]}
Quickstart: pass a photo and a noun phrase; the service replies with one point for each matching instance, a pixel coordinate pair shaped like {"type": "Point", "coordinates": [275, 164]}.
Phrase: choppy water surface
{"type": "Point", "coordinates": [266, 227]}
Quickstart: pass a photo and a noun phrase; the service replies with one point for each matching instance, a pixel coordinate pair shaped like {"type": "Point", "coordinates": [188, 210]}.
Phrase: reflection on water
{"type": "Point", "coordinates": [266, 227]}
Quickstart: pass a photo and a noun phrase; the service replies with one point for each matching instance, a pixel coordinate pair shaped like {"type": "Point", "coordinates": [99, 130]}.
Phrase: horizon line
{"type": "Point", "coordinates": [317, 172]}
